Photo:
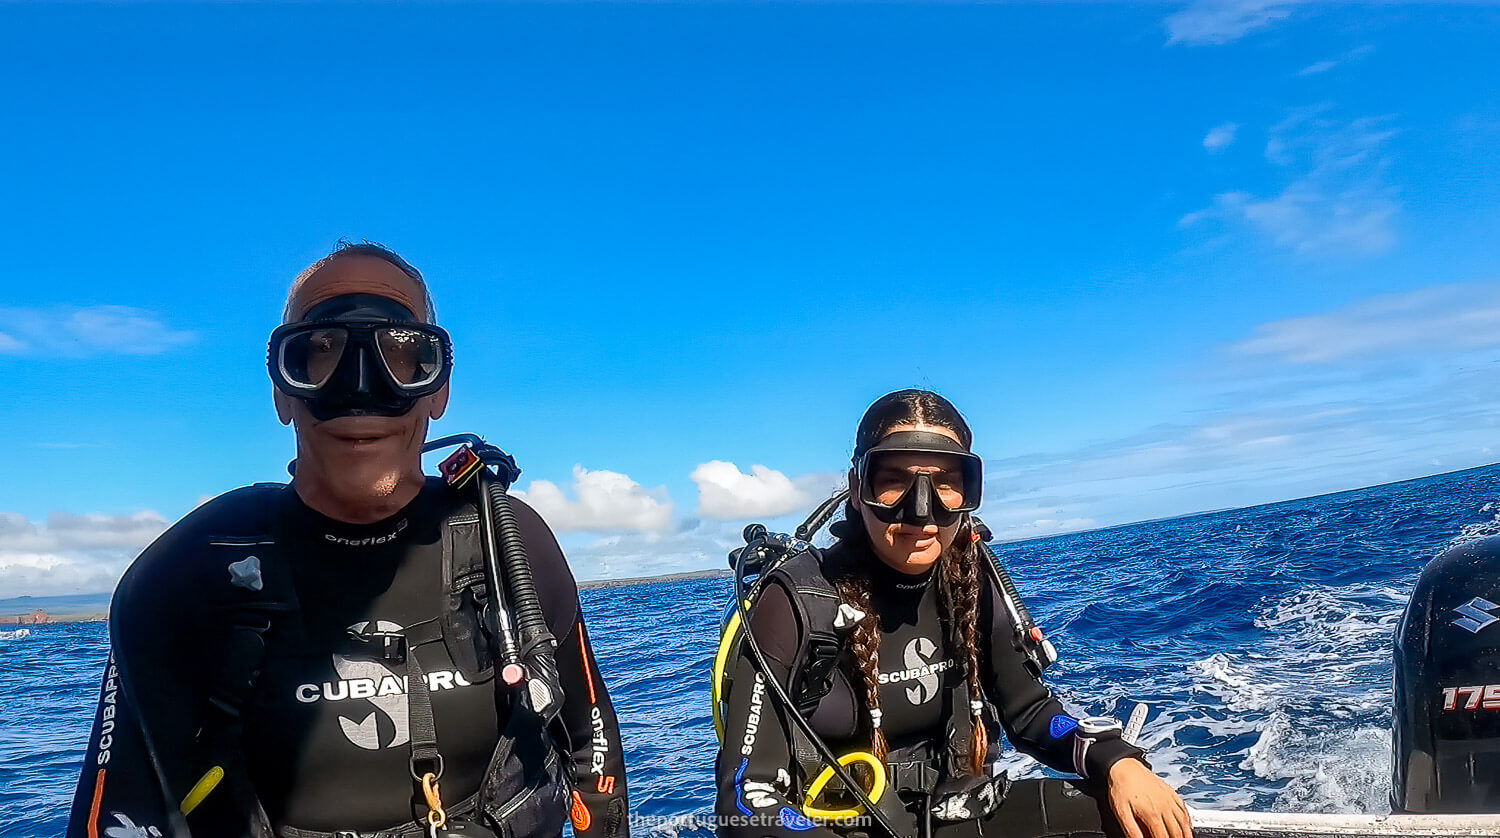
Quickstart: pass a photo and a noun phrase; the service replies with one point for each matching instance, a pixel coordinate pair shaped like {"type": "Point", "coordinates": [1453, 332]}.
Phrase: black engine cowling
{"type": "Point", "coordinates": [1446, 725]}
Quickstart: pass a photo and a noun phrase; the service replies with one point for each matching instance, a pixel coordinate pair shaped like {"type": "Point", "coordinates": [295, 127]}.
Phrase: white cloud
{"type": "Point", "coordinates": [607, 501]}
{"type": "Point", "coordinates": [1320, 67]}
{"type": "Point", "coordinates": [693, 545]}
{"type": "Point", "coordinates": [724, 492]}
{"type": "Point", "coordinates": [1438, 319]}
{"type": "Point", "coordinates": [1018, 520]}
{"type": "Point", "coordinates": [79, 332]}
{"type": "Point", "coordinates": [1335, 200]}
{"type": "Point", "coordinates": [1220, 136]}
{"type": "Point", "coordinates": [1375, 391]}
{"type": "Point", "coordinates": [1206, 22]}
{"type": "Point", "coordinates": [69, 553]}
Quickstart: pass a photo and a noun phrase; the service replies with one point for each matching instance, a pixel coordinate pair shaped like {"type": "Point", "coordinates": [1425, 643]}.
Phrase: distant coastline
{"type": "Point", "coordinates": [93, 608]}
{"type": "Point", "coordinates": [39, 617]}
{"type": "Point", "coordinates": [652, 580]}
{"type": "Point", "coordinates": [43, 610]}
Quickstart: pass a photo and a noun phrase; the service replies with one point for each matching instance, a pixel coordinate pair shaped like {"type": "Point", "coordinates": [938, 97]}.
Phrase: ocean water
{"type": "Point", "coordinates": [1260, 638]}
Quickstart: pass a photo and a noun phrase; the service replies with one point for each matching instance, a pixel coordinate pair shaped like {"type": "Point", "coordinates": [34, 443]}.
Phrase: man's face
{"type": "Point", "coordinates": [370, 453]}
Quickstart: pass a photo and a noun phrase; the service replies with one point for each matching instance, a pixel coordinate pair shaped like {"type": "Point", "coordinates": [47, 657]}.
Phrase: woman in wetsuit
{"type": "Point", "coordinates": [926, 669]}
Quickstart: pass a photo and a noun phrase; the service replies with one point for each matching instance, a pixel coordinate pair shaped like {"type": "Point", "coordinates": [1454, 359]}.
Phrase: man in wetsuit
{"type": "Point", "coordinates": [285, 657]}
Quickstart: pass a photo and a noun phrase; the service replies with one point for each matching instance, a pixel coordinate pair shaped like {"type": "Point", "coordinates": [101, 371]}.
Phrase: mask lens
{"type": "Point", "coordinates": [413, 358]}
{"type": "Point", "coordinates": [892, 474]}
{"type": "Point", "coordinates": [949, 486]}
{"type": "Point", "coordinates": [888, 484]}
{"type": "Point", "coordinates": [309, 358]}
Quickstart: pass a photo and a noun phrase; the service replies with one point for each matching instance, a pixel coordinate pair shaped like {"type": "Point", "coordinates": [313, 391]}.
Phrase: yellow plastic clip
{"type": "Point", "coordinates": [877, 788]}
{"type": "Point", "coordinates": [202, 789]}
{"type": "Point", "coordinates": [436, 816]}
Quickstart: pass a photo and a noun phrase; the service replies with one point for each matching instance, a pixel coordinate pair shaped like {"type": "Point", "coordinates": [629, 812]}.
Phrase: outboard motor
{"type": "Point", "coordinates": [1446, 725]}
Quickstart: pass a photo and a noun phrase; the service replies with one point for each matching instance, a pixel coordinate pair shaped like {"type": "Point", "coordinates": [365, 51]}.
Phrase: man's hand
{"type": "Point", "coordinates": [1145, 806]}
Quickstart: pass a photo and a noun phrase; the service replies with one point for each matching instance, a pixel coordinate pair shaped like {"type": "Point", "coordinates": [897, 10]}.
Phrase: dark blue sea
{"type": "Point", "coordinates": [1259, 637]}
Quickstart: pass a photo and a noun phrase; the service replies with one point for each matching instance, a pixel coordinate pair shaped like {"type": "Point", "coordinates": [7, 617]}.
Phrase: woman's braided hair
{"type": "Point", "coordinates": [958, 574]}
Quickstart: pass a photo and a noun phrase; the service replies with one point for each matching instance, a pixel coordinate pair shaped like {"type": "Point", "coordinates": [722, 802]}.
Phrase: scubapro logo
{"type": "Point", "coordinates": [752, 724]}
{"type": "Point", "coordinates": [127, 828]}
{"type": "Point", "coordinates": [921, 668]}
{"type": "Point", "coordinates": [382, 687]}
{"type": "Point", "coordinates": [1475, 615]}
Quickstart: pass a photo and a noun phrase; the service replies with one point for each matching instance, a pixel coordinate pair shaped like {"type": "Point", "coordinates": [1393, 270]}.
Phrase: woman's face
{"type": "Point", "coordinates": [905, 547]}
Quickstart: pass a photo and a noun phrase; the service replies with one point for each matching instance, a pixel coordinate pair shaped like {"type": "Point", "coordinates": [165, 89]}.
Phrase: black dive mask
{"type": "Point", "coordinates": [898, 496]}
{"type": "Point", "coordinates": [359, 355]}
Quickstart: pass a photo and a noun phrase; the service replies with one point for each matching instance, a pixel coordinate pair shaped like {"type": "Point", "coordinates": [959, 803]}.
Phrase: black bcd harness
{"type": "Point", "coordinates": [928, 769]}
{"type": "Point", "coordinates": [525, 787]}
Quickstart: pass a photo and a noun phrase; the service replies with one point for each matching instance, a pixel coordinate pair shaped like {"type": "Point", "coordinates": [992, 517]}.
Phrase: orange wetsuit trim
{"type": "Point", "coordinates": [98, 801]}
{"type": "Point", "coordinates": [583, 653]}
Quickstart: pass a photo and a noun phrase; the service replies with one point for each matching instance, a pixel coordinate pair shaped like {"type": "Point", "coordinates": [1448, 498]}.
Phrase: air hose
{"type": "Point", "coordinates": [1038, 649]}
{"type": "Point", "coordinates": [808, 528]}
{"type": "Point", "coordinates": [830, 759]}
{"type": "Point", "coordinates": [524, 599]}
{"type": "Point", "coordinates": [533, 663]}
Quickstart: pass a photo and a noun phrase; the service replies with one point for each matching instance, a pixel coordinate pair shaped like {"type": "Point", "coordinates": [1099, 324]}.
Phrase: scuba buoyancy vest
{"type": "Point", "coordinates": [525, 785]}
{"type": "Point", "coordinates": [923, 768]}
{"type": "Point", "coordinates": [919, 768]}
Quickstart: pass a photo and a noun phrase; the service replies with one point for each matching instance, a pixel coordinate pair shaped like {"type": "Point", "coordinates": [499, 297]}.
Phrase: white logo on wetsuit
{"type": "Point", "coordinates": [382, 687]}
{"type": "Point", "coordinates": [368, 541]}
{"type": "Point", "coordinates": [107, 715]}
{"type": "Point", "coordinates": [752, 724]}
{"type": "Point", "coordinates": [130, 829]}
{"type": "Point", "coordinates": [920, 667]}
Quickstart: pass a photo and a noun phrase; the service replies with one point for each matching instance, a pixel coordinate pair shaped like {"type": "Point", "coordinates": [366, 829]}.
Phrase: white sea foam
{"type": "Point", "coordinates": [1279, 716]}
{"type": "Point", "coordinates": [673, 826]}
{"type": "Point", "coordinates": [1264, 758]}
{"type": "Point", "coordinates": [1237, 686]}
{"type": "Point", "coordinates": [1350, 772]}
{"type": "Point", "coordinates": [1322, 670]}
{"type": "Point", "coordinates": [16, 634]}
{"type": "Point", "coordinates": [1482, 529]}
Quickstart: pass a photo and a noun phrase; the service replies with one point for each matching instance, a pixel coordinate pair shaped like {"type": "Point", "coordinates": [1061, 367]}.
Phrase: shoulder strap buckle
{"type": "Point", "coordinates": [820, 661]}
{"type": "Point", "coordinates": [387, 646]}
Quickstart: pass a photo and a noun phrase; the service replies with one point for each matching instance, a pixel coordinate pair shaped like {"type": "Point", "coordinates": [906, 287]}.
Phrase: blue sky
{"type": "Point", "coordinates": [1166, 257]}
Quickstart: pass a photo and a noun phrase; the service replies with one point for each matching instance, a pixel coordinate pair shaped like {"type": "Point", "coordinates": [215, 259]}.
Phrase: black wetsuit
{"type": "Point", "coordinates": [326, 733]}
{"type": "Point", "coordinates": [917, 669]}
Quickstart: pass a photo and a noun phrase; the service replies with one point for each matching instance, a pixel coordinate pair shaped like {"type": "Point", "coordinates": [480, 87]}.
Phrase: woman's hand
{"type": "Point", "coordinates": [1145, 806]}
